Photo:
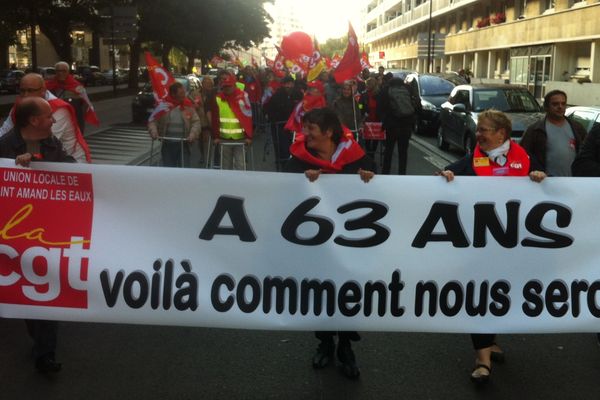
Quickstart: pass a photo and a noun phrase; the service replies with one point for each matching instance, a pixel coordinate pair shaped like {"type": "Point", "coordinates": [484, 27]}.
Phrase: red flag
{"type": "Point", "coordinates": [335, 61]}
{"type": "Point", "coordinates": [349, 65]}
{"type": "Point", "coordinates": [364, 60]}
{"type": "Point", "coordinates": [160, 77]}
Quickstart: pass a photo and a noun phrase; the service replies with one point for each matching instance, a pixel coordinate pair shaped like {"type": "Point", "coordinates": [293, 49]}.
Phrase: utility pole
{"type": "Point", "coordinates": [429, 45]}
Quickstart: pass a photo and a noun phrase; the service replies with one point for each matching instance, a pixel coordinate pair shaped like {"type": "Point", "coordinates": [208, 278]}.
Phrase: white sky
{"type": "Point", "coordinates": [329, 18]}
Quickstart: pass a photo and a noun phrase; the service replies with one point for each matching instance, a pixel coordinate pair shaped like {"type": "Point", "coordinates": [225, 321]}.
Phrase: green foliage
{"type": "Point", "coordinates": [333, 46]}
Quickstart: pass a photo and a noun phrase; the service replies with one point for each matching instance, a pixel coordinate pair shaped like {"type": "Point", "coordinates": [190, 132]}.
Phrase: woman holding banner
{"type": "Point", "coordinates": [495, 154]}
{"type": "Point", "coordinates": [323, 147]}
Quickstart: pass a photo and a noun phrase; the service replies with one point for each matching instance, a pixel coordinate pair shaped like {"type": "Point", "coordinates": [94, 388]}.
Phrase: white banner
{"type": "Point", "coordinates": [274, 251]}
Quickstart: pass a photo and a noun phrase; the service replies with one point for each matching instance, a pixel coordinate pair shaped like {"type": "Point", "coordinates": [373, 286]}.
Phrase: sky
{"type": "Point", "coordinates": [329, 18]}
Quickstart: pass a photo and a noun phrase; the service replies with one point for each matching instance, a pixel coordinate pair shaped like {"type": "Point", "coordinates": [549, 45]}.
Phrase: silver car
{"type": "Point", "coordinates": [458, 118]}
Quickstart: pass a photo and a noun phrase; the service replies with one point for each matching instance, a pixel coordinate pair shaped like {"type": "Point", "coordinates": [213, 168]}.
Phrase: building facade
{"type": "Point", "coordinates": [543, 44]}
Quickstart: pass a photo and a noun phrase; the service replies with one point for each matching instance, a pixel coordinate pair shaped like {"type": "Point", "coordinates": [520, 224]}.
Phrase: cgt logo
{"type": "Point", "coordinates": [44, 238]}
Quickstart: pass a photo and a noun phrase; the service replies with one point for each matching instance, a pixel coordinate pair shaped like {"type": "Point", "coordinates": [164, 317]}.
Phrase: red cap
{"type": "Point", "coordinates": [228, 80]}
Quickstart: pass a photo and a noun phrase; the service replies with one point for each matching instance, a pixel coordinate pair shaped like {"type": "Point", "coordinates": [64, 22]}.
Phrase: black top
{"type": "Point", "coordinates": [13, 145]}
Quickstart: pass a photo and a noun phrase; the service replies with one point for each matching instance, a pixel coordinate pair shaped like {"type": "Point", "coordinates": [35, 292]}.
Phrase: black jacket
{"type": "Point", "coordinates": [280, 106]}
{"type": "Point", "coordinates": [13, 145]}
{"type": "Point", "coordinates": [535, 139]}
{"type": "Point", "coordinates": [587, 162]}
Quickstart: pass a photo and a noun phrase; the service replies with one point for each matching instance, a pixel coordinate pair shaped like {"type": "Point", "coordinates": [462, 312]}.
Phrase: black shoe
{"type": "Point", "coordinates": [346, 357]}
{"type": "Point", "coordinates": [481, 374]}
{"type": "Point", "coordinates": [46, 364]}
{"type": "Point", "coordinates": [324, 354]}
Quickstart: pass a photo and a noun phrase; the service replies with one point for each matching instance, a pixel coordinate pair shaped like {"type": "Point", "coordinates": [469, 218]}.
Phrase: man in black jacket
{"type": "Point", "coordinates": [30, 140]}
{"type": "Point", "coordinates": [278, 109]}
{"type": "Point", "coordinates": [399, 119]}
{"type": "Point", "coordinates": [555, 139]}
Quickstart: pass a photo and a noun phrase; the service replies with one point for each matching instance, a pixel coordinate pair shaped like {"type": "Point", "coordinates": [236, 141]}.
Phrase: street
{"type": "Point", "coordinates": [120, 361]}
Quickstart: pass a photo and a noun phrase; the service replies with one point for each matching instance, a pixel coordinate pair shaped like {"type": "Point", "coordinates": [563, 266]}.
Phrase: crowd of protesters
{"type": "Point", "coordinates": [316, 128]}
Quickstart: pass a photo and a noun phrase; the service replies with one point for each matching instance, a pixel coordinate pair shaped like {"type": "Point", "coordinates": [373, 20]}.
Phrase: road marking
{"type": "Point", "coordinates": [434, 156]}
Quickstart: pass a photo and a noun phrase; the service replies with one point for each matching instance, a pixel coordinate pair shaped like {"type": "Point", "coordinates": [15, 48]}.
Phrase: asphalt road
{"type": "Point", "coordinates": [112, 361]}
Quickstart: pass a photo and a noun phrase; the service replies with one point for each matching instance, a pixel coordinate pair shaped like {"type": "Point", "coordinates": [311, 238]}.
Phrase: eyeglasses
{"type": "Point", "coordinates": [62, 70]}
{"type": "Point", "coordinates": [483, 129]}
{"type": "Point", "coordinates": [30, 90]}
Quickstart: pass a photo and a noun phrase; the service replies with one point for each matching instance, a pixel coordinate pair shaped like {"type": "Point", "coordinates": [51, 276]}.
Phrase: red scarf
{"type": "Point", "coordinates": [517, 162]}
{"type": "Point", "coordinates": [309, 102]}
{"type": "Point", "coordinates": [348, 151]}
{"type": "Point", "coordinates": [240, 105]}
{"type": "Point", "coordinates": [73, 85]}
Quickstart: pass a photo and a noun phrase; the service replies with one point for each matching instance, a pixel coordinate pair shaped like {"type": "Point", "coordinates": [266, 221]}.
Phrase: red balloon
{"type": "Point", "coordinates": [297, 44]}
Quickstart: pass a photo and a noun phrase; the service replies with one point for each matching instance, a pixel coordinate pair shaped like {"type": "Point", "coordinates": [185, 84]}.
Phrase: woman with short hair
{"type": "Point", "coordinates": [495, 154]}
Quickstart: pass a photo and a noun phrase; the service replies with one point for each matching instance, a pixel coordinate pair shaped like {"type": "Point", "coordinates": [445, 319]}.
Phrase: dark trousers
{"type": "Point", "coordinates": [282, 140]}
{"type": "Point", "coordinates": [43, 334]}
{"type": "Point", "coordinates": [401, 136]}
{"type": "Point", "coordinates": [344, 336]}
{"type": "Point", "coordinates": [483, 340]}
{"type": "Point", "coordinates": [171, 154]}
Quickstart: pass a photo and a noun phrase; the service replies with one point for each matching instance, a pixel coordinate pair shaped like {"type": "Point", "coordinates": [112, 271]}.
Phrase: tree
{"type": "Point", "coordinates": [11, 21]}
{"type": "Point", "coordinates": [333, 46]}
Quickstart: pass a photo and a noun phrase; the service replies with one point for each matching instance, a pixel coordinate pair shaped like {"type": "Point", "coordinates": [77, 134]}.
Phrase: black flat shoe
{"type": "Point", "coordinates": [478, 377]}
{"type": "Point", "coordinates": [324, 355]}
{"type": "Point", "coordinates": [46, 364]}
{"type": "Point", "coordinates": [346, 357]}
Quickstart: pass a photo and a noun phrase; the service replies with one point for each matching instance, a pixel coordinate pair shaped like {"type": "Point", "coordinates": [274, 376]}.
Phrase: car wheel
{"type": "Point", "coordinates": [441, 142]}
{"type": "Point", "coordinates": [469, 143]}
{"type": "Point", "coordinates": [417, 127]}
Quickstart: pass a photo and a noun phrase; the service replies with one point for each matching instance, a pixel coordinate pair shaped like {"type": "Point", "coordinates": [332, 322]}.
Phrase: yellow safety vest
{"type": "Point", "coordinates": [229, 126]}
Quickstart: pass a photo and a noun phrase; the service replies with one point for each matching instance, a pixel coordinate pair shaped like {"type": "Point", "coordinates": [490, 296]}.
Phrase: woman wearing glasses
{"type": "Point", "coordinates": [495, 154]}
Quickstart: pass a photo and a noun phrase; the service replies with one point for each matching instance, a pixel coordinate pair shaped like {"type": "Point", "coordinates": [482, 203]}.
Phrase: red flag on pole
{"type": "Point", "coordinates": [349, 65]}
{"type": "Point", "coordinates": [364, 60]}
{"type": "Point", "coordinates": [160, 77]}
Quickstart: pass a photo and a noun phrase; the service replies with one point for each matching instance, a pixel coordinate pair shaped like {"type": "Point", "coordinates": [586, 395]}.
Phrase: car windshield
{"type": "Point", "coordinates": [505, 100]}
{"type": "Point", "coordinates": [434, 86]}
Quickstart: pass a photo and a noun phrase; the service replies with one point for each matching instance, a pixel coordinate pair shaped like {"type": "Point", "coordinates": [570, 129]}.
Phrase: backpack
{"type": "Point", "coordinates": [401, 103]}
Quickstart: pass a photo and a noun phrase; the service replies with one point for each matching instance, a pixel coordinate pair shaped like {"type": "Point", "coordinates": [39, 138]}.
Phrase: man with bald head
{"type": "Point", "coordinates": [31, 139]}
{"type": "Point", "coordinates": [65, 126]}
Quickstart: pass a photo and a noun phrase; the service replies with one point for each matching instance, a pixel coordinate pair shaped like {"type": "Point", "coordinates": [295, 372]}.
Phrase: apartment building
{"type": "Point", "coordinates": [543, 44]}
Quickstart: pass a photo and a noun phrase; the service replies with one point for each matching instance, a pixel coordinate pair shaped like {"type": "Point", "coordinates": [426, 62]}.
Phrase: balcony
{"type": "Point", "coordinates": [409, 18]}
{"type": "Point", "coordinates": [573, 23]}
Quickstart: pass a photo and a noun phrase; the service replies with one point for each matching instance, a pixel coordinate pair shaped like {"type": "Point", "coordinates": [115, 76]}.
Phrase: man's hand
{"type": "Point", "coordinates": [248, 141]}
{"type": "Point", "coordinates": [216, 141]}
{"type": "Point", "coordinates": [24, 159]}
{"type": "Point", "coordinates": [191, 138]}
{"type": "Point", "coordinates": [312, 174]}
{"type": "Point", "coordinates": [154, 135]}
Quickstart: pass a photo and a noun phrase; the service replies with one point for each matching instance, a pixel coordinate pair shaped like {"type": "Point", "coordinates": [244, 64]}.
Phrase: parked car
{"type": "Point", "coordinates": [400, 73]}
{"type": "Point", "coordinates": [10, 79]}
{"type": "Point", "coordinates": [107, 76]}
{"type": "Point", "coordinates": [144, 102]}
{"type": "Point", "coordinates": [89, 75]}
{"type": "Point", "coordinates": [589, 117]}
{"type": "Point", "coordinates": [458, 119]}
{"type": "Point", "coordinates": [433, 90]}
